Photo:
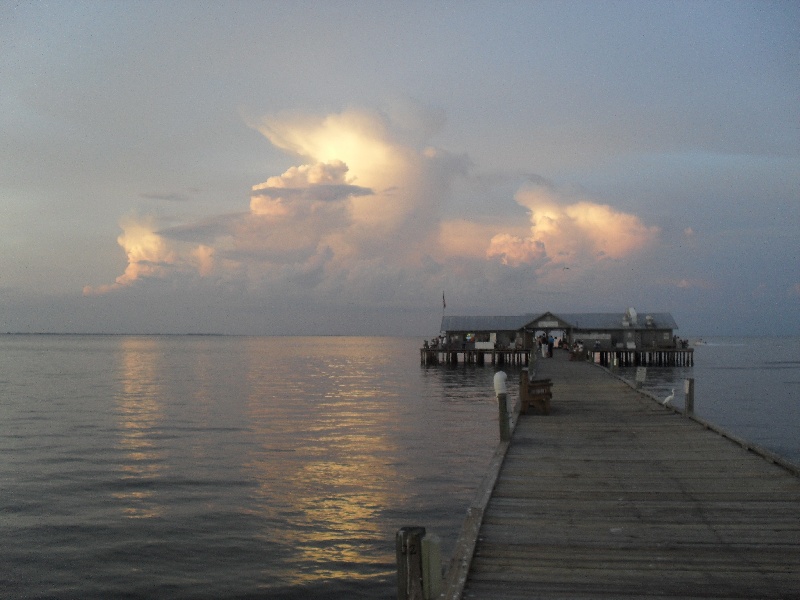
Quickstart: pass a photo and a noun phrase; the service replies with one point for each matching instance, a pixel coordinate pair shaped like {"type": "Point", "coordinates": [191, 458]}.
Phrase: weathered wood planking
{"type": "Point", "coordinates": [615, 496]}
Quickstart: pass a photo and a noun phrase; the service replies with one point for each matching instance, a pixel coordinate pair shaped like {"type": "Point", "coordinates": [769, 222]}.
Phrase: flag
{"type": "Point", "coordinates": [444, 304]}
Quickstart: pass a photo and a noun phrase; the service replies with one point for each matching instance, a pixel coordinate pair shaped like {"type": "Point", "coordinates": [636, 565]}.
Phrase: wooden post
{"type": "Point", "coordinates": [431, 566]}
{"type": "Point", "coordinates": [501, 393]}
{"type": "Point", "coordinates": [688, 389]}
{"type": "Point", "coordinates": [419, 564]}
{"type": "Point", "coordinates": [408, 546]}
{"type": "Point", "coordinates": [641, 375]}
{"type": "Point", "coordinates": [505, 429]}
{"type": "Point", "coordinates": [524, 378]}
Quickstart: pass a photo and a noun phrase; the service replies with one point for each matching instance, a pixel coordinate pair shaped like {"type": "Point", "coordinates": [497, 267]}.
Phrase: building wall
{"type": "Point", "coordinates": [625, 338]}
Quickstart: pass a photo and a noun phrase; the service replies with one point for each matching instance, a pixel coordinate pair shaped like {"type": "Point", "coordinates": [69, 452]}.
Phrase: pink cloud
{"type": "Point", "coordinates": [570, 231]}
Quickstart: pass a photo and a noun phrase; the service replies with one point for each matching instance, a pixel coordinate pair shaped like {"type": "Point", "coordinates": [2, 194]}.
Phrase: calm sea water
{"type": "Point", "coordinates": [229, 467]}
{"type": "Point", "coordinates": [237, 467]}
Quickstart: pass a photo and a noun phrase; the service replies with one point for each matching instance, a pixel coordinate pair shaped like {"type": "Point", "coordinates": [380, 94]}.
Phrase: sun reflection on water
{"type": "Point", "coordinates": [336, 459]}
{"type": "Point", "coordinates": [139, 416]}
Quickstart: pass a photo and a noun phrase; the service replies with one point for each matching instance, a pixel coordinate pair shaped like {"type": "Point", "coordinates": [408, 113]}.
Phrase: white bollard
{"type": "Point", "coordinates": [501, 393]}
{"type": "Point", "coordinates": [500, 382]}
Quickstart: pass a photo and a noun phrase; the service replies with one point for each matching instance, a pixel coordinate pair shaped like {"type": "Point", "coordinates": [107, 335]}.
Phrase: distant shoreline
{"type": "Point", "coordinates": [705, 339]}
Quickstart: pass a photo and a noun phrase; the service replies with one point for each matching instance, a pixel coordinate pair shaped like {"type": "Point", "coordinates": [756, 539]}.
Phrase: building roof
{"type": "Point", "coordinates": [584, 321]}
{"type": "Point", "coordinates": [614, 320]}
{"type": "Point", "coordinates": [455, 323]}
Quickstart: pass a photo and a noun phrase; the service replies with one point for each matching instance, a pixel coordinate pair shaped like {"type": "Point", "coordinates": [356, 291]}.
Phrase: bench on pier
{"type": "Point", "coordinates": [535, 394]}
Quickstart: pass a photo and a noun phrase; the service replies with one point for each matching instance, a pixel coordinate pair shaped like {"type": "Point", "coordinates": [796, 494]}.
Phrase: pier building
{"type": "Point", "coordinates": [625, 338]}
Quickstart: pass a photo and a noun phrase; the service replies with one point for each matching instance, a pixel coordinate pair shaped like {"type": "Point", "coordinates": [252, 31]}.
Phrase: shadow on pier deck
{"type": "Point", "coordinates": [614, 496]}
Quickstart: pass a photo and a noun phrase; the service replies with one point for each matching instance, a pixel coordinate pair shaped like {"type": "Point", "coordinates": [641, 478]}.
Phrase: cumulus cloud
{"type": "Point", "coordinates": [359, 221]}
{"type": "Point", "coordinates": [152, 255]}
{"type": "Point", "coordinates": [149, 254]}
{"type": "Point", "coordinates": [360, 201]}
{"type": "Point", "coordinates": [515, 250]}
{"type": "Point", "coordinates": [565, 230]}
{"type": "Point", "coordinates": [302, 188]}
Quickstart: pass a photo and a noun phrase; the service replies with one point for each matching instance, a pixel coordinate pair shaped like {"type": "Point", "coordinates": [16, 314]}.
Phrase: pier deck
{"type": "Point", "coordinates": [614, 496]}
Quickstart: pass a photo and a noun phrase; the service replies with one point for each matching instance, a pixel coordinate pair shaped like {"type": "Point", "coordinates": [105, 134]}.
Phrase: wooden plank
{"type": "Point", "coordinates": [614, 496]}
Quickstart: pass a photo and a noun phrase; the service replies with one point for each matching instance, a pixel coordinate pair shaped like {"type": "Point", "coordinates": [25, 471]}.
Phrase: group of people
{"type": "Point", "coordinates": [435, 342]}
{"type": "Point", "coordinates": [545, 344]}
{"type": "Point", "coordinates": [679, 343]}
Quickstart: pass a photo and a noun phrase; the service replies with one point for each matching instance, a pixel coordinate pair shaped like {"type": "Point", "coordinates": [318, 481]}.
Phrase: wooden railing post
{"type": "Point", "coordinates": [501, 393]}
{"type": "Point", "coordinates": [641, 375]}
{"type": "Point", "coordinates": [688, 389]}
{"type": "Point", "coordinates": [408, 546]}
{"type": "Point", "coordinates": [419, 564]}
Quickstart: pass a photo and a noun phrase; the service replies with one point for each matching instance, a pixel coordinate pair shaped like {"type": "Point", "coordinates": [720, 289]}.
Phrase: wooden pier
{"type": "Point", "coordinates": [440, 356]}
{"type": "Point", "coordinates": [655, 357]}
{"type": "Point", "coordinates": [613, 495]}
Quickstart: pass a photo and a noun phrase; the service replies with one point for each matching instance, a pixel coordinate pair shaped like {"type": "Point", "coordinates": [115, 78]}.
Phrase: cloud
{"type": "Point", "coordinates": [151, 256]}
{"type": "Point", "coordinates": [515, 250]}
{"type": "Point", "coordinates": [468, 239]}
{"type": "Point", "coordinates": [570, 231]}
{"type": "Point", "coordinates": [409, 182]}
{"type": "Point", "coordinates": [363, 203]}
{"type": "Point", "coordinates": [173, 197]}
{"type": "Point", "coordinates": [204, 255]}
{"type": "Point", "coordinates": [358, 222]}
{"type": "Point", "coordinates": [301, 188]}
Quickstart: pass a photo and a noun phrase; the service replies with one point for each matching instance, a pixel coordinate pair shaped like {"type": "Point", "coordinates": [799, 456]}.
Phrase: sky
{"type": "Point", "coordinates": [329, 168]}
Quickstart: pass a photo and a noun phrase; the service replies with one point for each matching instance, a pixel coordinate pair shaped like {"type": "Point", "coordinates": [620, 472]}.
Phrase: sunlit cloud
{"type": "Point", "coordinates": [468, 239]}
{"type": "Point", "coordinates": [361, 141]}
{"type": "Point", "coordinates": [301, 188]}
{"type": "Point", "coordinates": [362, 204]}
{"type": "Point", "coordinates": [570, 231]}
{"type": "Point", "coordinates": [365, 199]}
{"type": "Point", "coordinates": [151, 255]}
{"type": "Point", "coordinates": [515, 250]}
{"type": "Point", "coordinates": [359, 220]}
{"type": "Point", "coordinates": [204, 255]}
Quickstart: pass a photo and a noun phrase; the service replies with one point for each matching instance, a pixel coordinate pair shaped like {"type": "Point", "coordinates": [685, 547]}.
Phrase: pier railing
{"type": "Point", "coordinates": [655, 357]}
{"type": "Point", "coordinates": [454, 355]}
{"type": "Point", "coordinates": [649, 357]}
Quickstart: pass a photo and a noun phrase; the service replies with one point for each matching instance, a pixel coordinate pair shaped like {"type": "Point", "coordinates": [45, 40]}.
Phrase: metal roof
{"type": "Point", "coordinates": [584, 321]}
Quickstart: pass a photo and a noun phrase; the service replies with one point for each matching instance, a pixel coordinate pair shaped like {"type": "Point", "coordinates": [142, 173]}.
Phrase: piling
{"type": "Point", "coordinates": [408, 550]}
{"type": "Point", "coordinates": [501, 393]}
{"type": "Point", "coordinates": [688, 390]}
